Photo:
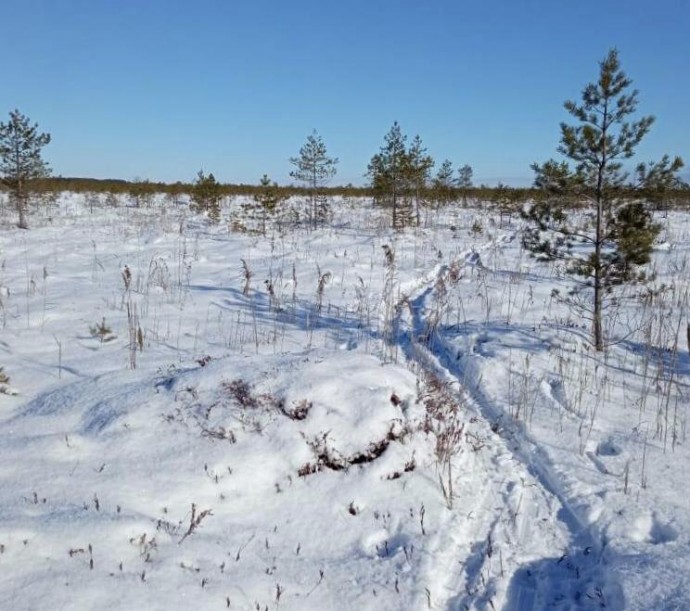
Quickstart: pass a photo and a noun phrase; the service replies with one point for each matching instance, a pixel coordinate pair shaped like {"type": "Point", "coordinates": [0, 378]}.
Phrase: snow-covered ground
{"type": "Point", "coordinates": [371, 421]}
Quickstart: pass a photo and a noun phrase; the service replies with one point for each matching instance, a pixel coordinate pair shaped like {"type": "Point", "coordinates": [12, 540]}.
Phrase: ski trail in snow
{"type": "Point", "coordinates": [517, 508]}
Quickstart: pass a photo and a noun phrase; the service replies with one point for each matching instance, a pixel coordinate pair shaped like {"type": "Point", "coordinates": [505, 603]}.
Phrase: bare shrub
{"type": "Point", "coordinates": [195, 520]}
{"type": "Point", "coordinates": [324, 279]}
{"type": "Point", "coordinates": [327, 457]}
{"type": "Point", "coordinates": [247, 274]}
{"type": "Point", "coordinates": [241, 392]}
{"type": "Point", "coordinates": [159, 274]}
{"type": "Point", "coordinates": [442, 419]}
{"type": "Point", "coordinates": [299, 411]}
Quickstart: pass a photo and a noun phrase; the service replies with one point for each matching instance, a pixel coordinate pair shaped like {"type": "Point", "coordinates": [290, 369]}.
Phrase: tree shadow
{"type": "Point", "coordinates": [344, 325]}
{"type": "Point", "coordinates": [667, 361]}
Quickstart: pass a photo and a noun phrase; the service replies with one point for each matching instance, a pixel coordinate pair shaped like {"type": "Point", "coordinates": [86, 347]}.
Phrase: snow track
{"type": "Point", "coordinates": [512, 540]}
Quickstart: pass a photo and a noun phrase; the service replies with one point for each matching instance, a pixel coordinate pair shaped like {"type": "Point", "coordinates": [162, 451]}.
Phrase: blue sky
{"type": "Point", "coordinates": [161, 88]}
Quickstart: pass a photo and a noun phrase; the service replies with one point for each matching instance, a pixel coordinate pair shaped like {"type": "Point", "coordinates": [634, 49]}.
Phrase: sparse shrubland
{"type": "Point", "coordinates": [417, 381]}
{"type": "Point", "coordinates": [356, 405]}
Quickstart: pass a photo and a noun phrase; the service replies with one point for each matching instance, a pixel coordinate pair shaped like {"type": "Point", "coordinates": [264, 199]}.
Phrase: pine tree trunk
{"type": "Point", "coordinates": [21, 202]}
{"type": "Point", "coordinates": [598, 271]}
{"type": "Point", "coordinates": [417, 206]}
{"type": "Point", "coordinates": [21, 208]}
{"type": "Point", "coordinates": [395, 209]}
{"type": "Point", "coordinates": [598, 334]}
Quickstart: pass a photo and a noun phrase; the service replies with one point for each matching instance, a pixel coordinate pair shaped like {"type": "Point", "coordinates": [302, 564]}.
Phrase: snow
{"type": "Point", "coordinates": [259, 451]}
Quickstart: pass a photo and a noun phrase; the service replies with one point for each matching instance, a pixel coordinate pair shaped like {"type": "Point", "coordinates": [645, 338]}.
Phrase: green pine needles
{"type": "Point", "coordinates": [314, 168]}
{"type": "Point", "coordinates": [20, 160]}
{"type": "Point", "coordinates": [594, 215]}
{"type": "Point", "coordinates": [207, 195]}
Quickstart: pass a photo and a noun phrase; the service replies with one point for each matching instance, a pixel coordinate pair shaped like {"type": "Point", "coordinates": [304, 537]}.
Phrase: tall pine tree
{"type": "Point", "coordinates": [419, 169]}
{"type": "Point", "coordinates": [464, 181]}
{"type": "Point", "coordinates": [443, 183]}
{"type": "Point", "coordinates": [20, 160]}
{"type": "Point", "coordinates": [618, 229]}
{"type": "Point", "coordinates": [388, 172]}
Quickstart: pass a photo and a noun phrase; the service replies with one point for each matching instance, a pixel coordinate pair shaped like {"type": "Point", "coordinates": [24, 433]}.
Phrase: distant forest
{"type": "Point", "coordinates": [677, 198]}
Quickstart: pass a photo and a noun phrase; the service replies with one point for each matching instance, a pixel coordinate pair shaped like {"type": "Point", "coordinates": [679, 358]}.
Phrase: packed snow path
{"type": "Point", "coordinates": [514, 539]}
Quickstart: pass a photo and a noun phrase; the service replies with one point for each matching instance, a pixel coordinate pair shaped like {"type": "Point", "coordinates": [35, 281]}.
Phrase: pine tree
{"type": "Point", "coordinates": [419, 170]}
{"type": "Point", "coordinates": [618, 229]}
{"type": "Point", "coordinates": [388, 171]}
{"type": "Point", "coordinates": [20, 160]}
{"type": "Point", "coordinates": [265, 202]}
{"type": "Point", "coordinates": [659, 181]}
{"type": "Point", "coordinates": [443, 183]}
{"type": "Point", "coordinates": [207, 194]}
{"type": "Point", "coordinates": [464, 181]}
{"type": "Point", "coordinates": [506, 200]}
{"type": "Point", "coordinates": [314, 168]}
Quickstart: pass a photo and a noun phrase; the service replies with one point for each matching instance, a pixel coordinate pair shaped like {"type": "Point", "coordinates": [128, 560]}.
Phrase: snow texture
{"type": "Point", "coordinates": [169, 440]}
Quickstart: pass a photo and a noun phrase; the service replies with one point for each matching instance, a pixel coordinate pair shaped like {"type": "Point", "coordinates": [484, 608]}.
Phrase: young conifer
{"type": "Point", "coordinates": [314, 168]}
{"type": "Point", "coordinates": [20, 160]}
{"type": "Point", "coordinates": [595, 202]}
{"type": "Point", "coordinates": [207, 194]}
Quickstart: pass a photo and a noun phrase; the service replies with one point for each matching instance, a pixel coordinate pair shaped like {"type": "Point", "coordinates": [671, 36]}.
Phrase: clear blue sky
{"type": "Point", "coordinates": [161, 88]}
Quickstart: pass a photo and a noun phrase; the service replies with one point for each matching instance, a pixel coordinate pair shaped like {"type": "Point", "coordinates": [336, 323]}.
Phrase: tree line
{"type": "Point", "coordinates": [584, 200]}
{"type": "Point", "coordinates": [400, 176]}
